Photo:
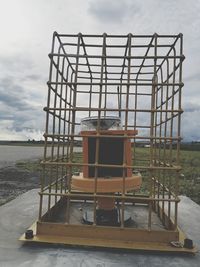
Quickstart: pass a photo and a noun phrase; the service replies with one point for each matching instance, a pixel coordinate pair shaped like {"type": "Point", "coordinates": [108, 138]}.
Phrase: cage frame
{"type": "Point", "coordinates": [163, 135]}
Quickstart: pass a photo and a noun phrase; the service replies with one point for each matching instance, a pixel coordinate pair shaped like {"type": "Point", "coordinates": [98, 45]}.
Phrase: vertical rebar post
{"type": "Point", "coordinates": [98, 126]}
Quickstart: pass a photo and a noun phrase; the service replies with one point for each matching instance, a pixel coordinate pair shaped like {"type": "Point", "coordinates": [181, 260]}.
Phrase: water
{"type": "Point", "coordinates": [10, 154]}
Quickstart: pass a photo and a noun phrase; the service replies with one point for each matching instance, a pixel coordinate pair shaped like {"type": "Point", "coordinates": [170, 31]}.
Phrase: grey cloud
{"type": "Point", "coordinates": [193, 77]}
{"type": "Point", "coordinates": [190, 121]}
{"type": "Point", "coordinates": [190, 126]}
{"type": "Point", "coordinates": [30, 119]}
{"type": "Point", "coordinates": [111, 11]}
{"type": "Point", "coordinates": [19, 66]}
{"type": "Point", "coordinates": [17, 97]}
{"type": "Point", "coordinates": [191, 107]}
{"type": "Point", "coordinates": [34, 77]}
{"type": "Point", "coordinates": [12, 95]}
{"type": "Point", "coordinates": [140, 17]}
{"type": "Point", "coordinates": [19, 111]}
{"type": "Point", "coordinates": [16, 63]}
{"type": "Point", "coordinates": [6, 116]}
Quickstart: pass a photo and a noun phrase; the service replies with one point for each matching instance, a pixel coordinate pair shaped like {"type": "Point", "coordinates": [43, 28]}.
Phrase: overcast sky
{"type": "Point", "coordinates": [26, 28]}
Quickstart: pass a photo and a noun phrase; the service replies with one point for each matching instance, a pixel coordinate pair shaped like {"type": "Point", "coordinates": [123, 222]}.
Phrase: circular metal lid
{"type": "Point", "coordinates": [105, 123]}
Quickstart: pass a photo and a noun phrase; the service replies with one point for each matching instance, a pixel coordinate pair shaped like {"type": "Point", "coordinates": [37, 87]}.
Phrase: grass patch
{"type": "Point", "coordinates": [189, 180]}
{"type": "Point", "coordinates": [29, 165]}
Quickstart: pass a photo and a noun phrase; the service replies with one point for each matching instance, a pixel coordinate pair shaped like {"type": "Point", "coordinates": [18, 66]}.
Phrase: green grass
{"type": "Point", "coordinates": [190, 174]}
{"type": "Point", "coordinates": [29, 165]}
{"type": "Point", "coordinates": [189, 180]}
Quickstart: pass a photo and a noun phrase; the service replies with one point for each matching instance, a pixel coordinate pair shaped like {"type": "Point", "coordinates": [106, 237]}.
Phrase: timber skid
{"type": "Point", "coordinates": [131, 238]}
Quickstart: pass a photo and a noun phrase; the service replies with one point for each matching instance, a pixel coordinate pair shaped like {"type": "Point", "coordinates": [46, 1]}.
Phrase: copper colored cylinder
{"type": "Point", "coordinates": [105, 203]}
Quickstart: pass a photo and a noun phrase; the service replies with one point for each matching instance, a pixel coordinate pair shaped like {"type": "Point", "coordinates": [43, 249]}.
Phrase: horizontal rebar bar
{"type": "Point", "coordinates": [119, 36]}
{"type": "Point", "coordinates": [115, 57]}
{"type": "Point", "coordinates": [116, 46]}
{"type": "Point", "coordinates": [117, 197]}
{"type": "Point", "coordinates": [125, 166]}
{"type": "Point", "coordinates": [115, 84]}
{"type": "Point", "coordinates": [114, 109]}
{"type": "Point", "coordinates": [135, 137]}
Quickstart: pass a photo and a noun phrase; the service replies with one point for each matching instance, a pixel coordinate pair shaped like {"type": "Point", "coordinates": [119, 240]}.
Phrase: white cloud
{"type": "Point", "coordinates": [26, 29]}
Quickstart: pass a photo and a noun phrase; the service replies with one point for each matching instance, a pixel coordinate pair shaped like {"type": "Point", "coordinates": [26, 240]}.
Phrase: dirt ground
{"type": "Point", "coordinates": [15, 180]}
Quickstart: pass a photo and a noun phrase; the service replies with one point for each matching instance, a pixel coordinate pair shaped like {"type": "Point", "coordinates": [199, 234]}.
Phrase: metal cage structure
{"type": "Point", "coordinates": [138, 79]}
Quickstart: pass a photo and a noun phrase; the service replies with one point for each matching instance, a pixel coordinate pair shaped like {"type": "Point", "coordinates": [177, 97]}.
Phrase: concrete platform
{"type": "Point", "coordinates": [20, 213]}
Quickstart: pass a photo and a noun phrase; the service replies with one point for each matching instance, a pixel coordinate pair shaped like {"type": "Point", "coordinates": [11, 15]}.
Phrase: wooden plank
{"type": "Point", "coordinates": [107, 233]}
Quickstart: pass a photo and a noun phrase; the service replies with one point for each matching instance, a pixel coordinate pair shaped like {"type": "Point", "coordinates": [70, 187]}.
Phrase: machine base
{"type": "Point", "coordinates": [106, 243]}
{"type": "Point", "coordinates": [107, 218]}
{"type": "Point", "coordinates": [53, 228]}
